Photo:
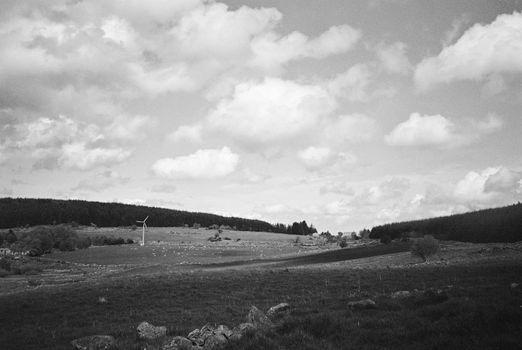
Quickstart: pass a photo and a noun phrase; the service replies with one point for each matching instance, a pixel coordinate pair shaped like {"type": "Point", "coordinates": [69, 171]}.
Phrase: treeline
{"type": "Point", "coordinates": [19, 212]}
{"type": "Point", "coordinates": [483, 226]}
{"type": "Point", "coordinates": [297, 228]}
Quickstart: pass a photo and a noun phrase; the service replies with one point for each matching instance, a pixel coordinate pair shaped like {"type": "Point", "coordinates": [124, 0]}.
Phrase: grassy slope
{"type": "Point", "coordinates": [482, 311]}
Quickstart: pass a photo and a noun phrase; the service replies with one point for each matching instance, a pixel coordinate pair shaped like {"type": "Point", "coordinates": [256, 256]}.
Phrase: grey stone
{"type": "Point", "coordinates": [94, 342]}
{"type": "Point", "coordinates": [178, 343]}
{"type": "Point", "coordinates": [362, 304]}
{"type": "Point", "coordinates": [214, 340]}
{"type": "Point", "coordinates": [278, 311]}
{"type": "Point", "coordinates": [150, 332]}
{"type": "Point", "coordinates": [239, 331]}
{"type": "Point", "coordinates": [258, 318]}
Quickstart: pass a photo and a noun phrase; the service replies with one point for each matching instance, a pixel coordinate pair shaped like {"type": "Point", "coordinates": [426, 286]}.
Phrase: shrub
{"type": "Point", "coordinates": [10, 237]}
{"type": "Point", "coordinates": [83, 243]}
{"type": "Point", "coordinates": [343, 242]}
{"type": "Point", "coordinates": [5, 264]}
{"type": "Point", "coordinates": [425, 247]}
{"type": "Point", "coordinates": [4, 273]}
{"type": "Point", "coordinates": [66, 245]}
{"type": "Point", "coordinates": [385, 239]}
{"type": "Point", "coordinates": [134, 228]}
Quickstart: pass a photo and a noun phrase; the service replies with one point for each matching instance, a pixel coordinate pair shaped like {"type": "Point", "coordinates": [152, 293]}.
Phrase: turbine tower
{"type": "Point", "coordinates": [143, 230]}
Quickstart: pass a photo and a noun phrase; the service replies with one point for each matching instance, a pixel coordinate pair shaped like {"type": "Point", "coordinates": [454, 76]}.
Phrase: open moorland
{"type": "Point", "coordinates": [467, 296]}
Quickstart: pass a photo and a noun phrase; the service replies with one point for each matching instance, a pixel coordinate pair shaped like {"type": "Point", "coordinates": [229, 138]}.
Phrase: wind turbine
{"type": "Point", "coordinates": [143, 230]}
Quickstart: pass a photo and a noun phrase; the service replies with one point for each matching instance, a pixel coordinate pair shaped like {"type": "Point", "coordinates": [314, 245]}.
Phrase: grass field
{"type": "Point", "coordinates": [479, 308]}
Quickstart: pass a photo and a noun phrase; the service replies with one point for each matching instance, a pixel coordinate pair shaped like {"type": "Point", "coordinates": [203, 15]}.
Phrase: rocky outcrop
{"type": "Point", "coordinates": [94, 342]}
{"type": "Point", "coordinates": [146, 331]}
{"type": "Point", "coordinates": [178, 343]}
{"type": "Point", "coordinates": [258, 319]}
{"type": "Point", "coordinates": [401, 294]}
{"type": "Point", "coordinates": [279, 311]}
{"type": "Point", "coordinates": [362, 304]}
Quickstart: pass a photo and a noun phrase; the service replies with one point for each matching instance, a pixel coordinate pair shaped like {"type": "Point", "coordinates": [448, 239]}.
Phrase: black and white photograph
{"type": "Point", "coordinates": [260, 174]}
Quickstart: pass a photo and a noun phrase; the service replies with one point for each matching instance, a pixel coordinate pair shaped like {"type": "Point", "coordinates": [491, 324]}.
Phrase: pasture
{"type": "Point", "coordinates": [183, 281]}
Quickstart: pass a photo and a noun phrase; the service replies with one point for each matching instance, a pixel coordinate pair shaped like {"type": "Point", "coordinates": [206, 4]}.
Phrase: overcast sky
{"type": "Point", "coordinates": [345, 114]}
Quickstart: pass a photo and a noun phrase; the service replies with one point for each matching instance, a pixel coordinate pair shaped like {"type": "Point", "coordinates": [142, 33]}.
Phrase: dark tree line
{"type": "Point", "coordinates": [483, 226]}
{"type": "Point", "coordinates": [17, 212]}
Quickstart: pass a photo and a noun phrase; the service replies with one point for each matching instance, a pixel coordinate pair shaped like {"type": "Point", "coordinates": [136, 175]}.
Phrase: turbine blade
{"type": "Point", "coordinates": [146, 218]}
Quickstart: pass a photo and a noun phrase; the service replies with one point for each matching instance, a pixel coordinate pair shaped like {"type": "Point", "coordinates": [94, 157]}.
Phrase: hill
{"type": "Point", "coordinates": [15, 212]}
{"type": "Point", "coordinates": [490, 225]}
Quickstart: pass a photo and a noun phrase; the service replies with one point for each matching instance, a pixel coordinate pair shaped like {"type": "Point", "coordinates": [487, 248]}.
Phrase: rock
{"type": "Point", "coordinates": [199, 336]}
{"type": "Point", "coordinates": [278, 311]}
{"type": "Point", "coordinates": [94, 342]}
{"type": "Point", "coordinates": [362, 304]}
{"type": "Point", "coordinates": [401, 294]}
{"type": "Point", "coordinates": [150, 332]}
{"type": "Point", "coordinates": [239, 331]}
{"type": "Point", "coordinates": [514, 285]}
{"type": "Point", "coordinates": [178, 343]}
{"type": "Point", "coordinates": [214, 340]}
{"type": "Point", "coordinates": [224, 330]}
{"type": "Point", "coordinates": [257, 318]}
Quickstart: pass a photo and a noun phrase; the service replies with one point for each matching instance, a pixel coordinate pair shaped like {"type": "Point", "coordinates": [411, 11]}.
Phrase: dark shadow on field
{"type": "Point", "coordinates": [320, 258]}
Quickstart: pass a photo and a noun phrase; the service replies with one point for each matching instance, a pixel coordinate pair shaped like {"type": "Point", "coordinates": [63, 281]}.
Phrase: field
{"type": "Point", "coordinates": [463, 298]}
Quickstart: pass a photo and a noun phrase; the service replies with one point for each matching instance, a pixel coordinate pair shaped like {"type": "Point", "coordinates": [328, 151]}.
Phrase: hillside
{"type": "Point", "coordinates": [490, 225]}
{"type": "Point", "coordinates": [15, 212]}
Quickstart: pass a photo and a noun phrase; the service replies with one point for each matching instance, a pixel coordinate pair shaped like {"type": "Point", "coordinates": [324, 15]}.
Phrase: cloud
{"type": "Point", "coordinates": [78, 155]}
{"type": "Point", "coordinates": [101, 181]}
{"type": "Point", "coordinates": [437, 130]}
{"type": "Point", "coordinates": [389, 189]}
{"type": "Point", "coordinates": [191, 133]}
{"type": "Point", "coordinates": [337, 188]}
{"type": "Point", "coordinates": [352, 84]}
{"type": "Point", "coordinates": [130, 127]}
{"type": "Point", "coordinates": [271, 111]}
{"type": "Point", "coordinates": [315, 158]}
{"type": "Point", "coordinates": [492, 185]}
{"type": "Point", "coordinates": [272, 50]}
{"type": "Point", "coordinates": [203, 164]}
{"type": "Point", "coordinates": [482, 50]}
{"type": "Point", "coordinates": [423, 130]}
{"type": "Point", "coordinates": [393, 57]}
{"type": "Point", "coordinates": [164, 188]}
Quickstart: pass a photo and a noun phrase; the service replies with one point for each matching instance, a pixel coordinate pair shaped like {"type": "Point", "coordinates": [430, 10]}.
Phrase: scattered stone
{"type": "Point", "coordinates": [239, 331]}
{"type": "Point", "coordinates": [94, 342]}
{"type": "Point", "coordinates": [214, 340]}
{"type": "Point", "coordinates": [224, 330]}
{"type": "Point", "coordinates": [178, 343]}
{"type": "Point", "coordinates": [278, 311]}
{"type": "Point", "coordinates": [362, 304]}
{"type": "Point", "coordinates": [150, 332]}
{"type": "Point", "coordinates": [199, 336]}
{"type": "Point", "coordinates": [258, 318]}
{"type": "Point", "coordinates": [401, 294]}
{"type": "Point", "coordinates": [514, 285]}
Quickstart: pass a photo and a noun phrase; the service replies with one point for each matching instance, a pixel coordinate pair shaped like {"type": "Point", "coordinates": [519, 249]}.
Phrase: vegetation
{"type": "Point", "coordinates": [425, 247]}
{"type": "Point", "coordinates": [19, 212]}
{"type": "Point", "coordinates": [483, 226]}
{"type": "Point", "coordinates": [479, 311]}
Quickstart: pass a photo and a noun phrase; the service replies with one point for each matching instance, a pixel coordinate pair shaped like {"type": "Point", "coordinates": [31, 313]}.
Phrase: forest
{"type": "Point", "coordinates": [482, 226]}
{"type": "Point", "coordinates": [18, 212]}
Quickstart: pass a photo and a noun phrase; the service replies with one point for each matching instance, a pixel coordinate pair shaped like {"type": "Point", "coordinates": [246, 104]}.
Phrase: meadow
{"type": "Point", "coordinates": [464, 296]}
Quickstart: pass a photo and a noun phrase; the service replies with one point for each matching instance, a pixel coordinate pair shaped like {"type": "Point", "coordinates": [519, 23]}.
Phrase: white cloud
{"type": "Point", "coordinates": [203, 164]}
{"type": "Point", "coordinates": [101, 181]}
{"type": "Point", "coordinates": [482, 50]}
{"type": "Point", "coordinates": [270, 111]}
{"type": "Point", "coordinates": [352, 84]}
{"type": "Point", "coordinates": [421, 130]}
{"type": "Point", "coordinates": [130, 127]}
{"type": "Point", "coordinates": [190, 133]}
{"type": "Point", "coordinates": [315, 158]}
{"type": "Point", "coordinates": [164, 188]}
{"type": "Point", "coordinates": [393, 57]}
{"type": "Point", "coordinates": [492, 185]}
{"type": "Point", "coordinates": [337, 188]}
{"type": "Point", "coordinates": [78, 155]}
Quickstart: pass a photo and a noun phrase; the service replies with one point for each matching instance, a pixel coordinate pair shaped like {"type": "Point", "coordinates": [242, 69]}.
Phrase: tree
{"type": "Point", "coordinates": [425, 247]}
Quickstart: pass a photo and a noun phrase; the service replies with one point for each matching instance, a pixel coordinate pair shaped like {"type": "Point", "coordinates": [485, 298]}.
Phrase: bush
{"type": "Point", "coordinates": [130, 241]}
{"type": "Point", "coordinates": [385, 239]}
{"type": "Point", "coordinates": [343, 242]}
{"type": "Point", "coordinates": [425, 247]}
{"type": "Point", "coordinates": [10, 237]}
{"type": "Point", "coordinates": [4, 273]}
{"type": "Point", "coordinates": [83, 243]}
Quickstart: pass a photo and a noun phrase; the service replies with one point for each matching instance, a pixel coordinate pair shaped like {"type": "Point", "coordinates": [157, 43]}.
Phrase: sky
{"type": "Point", "coordinates": [346, 114]}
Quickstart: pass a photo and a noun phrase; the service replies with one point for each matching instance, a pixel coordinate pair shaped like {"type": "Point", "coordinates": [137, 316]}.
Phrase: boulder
{"type": "Point", "coordinates": [94, 342]}
{"type": "Point", "coordinates": [199, 336]}
{"type": "Point", "coordinates": [239, 331]}
{"type": "Point", "coordinates": [149, 332]}
{"type": "Point", "coordinates": [278, 311]}
{"type": "Point", "coordinates": [177, 343]}
{"type": "Point", "coordinates": [258, 318]}
{"type": "Point", "coordinates": [362, 304]}
{"type": "Point", "coordinates": [224, 330]}
{"type": "Point", "coordinates": [401, 294]}
{"type": "Point", "coordinates": [214, 340]}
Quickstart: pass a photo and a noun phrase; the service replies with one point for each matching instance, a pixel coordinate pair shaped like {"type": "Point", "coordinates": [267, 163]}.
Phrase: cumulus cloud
{"type": "Point", "coordinates": [495, 184]}
{"type": "Point", "coordinates": [190, 133]}
{"type": "Point", "coordinates": [437, 130]}
{"type": "Point", "coordinates": [315, 158]}
{"type": "Point", "coordinates": [101, 181]}
{"type": "Point", "coordinates": [273, 110]}
{"type": "Point", "coordinates": [482, 50]}
{"type": "Point", "coordinates": [203, 164]}
{"type": "Point", "coordinates": [423, 130]}
{"type": "Point", "coordinates": [78, 155]}
{"type": "Point", "coordinates": [350, 128]}
{"type": "Point", "coordinates": [337, 188]}
{"type": "Point", "coordinates": [393, 57]}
